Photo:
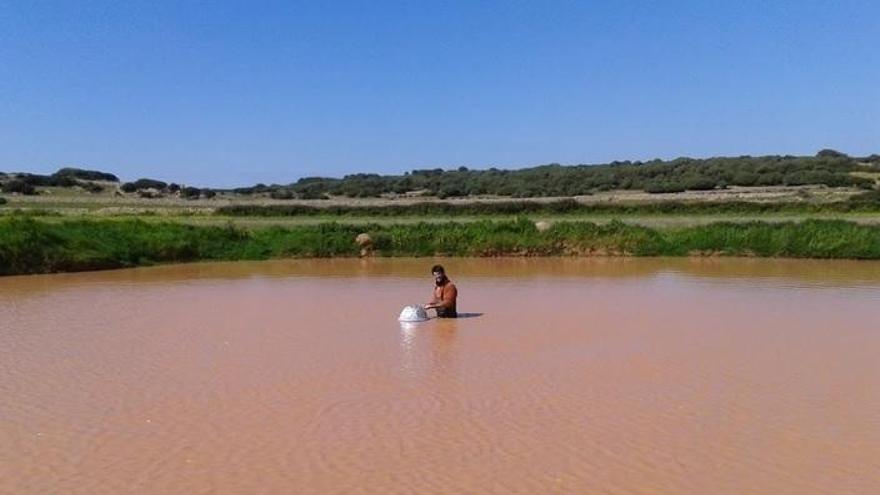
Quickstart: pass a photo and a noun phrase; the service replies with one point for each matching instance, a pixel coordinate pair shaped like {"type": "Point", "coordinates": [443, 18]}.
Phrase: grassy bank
{"type": "Point", "coordinates": [560, 207]}
{"type": "Point", "coordinates": [29, 245]}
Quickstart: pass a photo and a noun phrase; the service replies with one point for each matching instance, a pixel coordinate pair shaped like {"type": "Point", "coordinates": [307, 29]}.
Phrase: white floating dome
{"type": "Point", "coordinates": [416, 312]}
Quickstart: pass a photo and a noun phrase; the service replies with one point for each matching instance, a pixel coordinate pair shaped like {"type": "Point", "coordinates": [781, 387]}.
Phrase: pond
{"type": "Point", "coordinates": [569, 376]}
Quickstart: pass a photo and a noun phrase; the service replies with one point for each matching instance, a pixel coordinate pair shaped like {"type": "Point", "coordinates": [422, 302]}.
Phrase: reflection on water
{"type": "Point", "coordinates": [565, 376]}
{"type": "Point", "coordinates": [426, 347]}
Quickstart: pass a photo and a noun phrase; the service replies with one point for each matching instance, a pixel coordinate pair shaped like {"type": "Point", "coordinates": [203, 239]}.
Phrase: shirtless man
{"type": "Point", "coordinates": [445, 294]}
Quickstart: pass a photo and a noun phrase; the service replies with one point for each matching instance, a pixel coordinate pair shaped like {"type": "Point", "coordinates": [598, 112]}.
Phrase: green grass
{"type": "Point", "coordinates": [30, 245]}
{"type": "Point", "coordinates": [559, 207]}
{"type": "Point", "coordinates": [657, 221]}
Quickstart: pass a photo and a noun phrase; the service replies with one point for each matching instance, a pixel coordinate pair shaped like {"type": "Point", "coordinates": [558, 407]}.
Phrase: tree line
{"type": "Point", "coordinates": [24, 183]}
{"type": "Point", "coordinates": [827, 167]}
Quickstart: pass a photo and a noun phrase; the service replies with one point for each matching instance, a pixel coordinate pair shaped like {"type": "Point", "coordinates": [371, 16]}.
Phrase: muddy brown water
{"type": "Point", "coordinates": [611, 376]}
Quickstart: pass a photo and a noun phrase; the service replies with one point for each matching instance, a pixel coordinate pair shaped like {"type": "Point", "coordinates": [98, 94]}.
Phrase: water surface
{"type": "Point", "coordinates": [580, 376]}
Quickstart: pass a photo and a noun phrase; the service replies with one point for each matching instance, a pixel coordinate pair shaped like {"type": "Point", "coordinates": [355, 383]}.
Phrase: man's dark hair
{"type": "Point", "coordinates": [438, 269]}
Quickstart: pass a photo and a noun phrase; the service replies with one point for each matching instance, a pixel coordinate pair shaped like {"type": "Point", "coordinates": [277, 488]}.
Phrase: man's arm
{"type": "Point", "coordinates": [432, 303]}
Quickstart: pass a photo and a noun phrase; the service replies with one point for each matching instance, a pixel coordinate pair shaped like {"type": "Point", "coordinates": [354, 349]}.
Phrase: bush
{"type": "Point", "coordinates": [829, 153]}
{"type": "Point", "coordinates": [282, 194]}
{"type": "Point", "coordinates": [313, 195]}
{"type": "Point", "coordinates": [191, 192]}
{"type": "Point", "coordinates": [93, 188]}
{"type": "Point", "coordinates": [745, 179]}
{"type": "Point", "coordinates": [19, 186]}
{"type": "Point", "coordinates": [862, 182]}
{"type": "Point", "coordinates": [699, 184]}
{"type": "Point", "coordinates": [2, 201]}
{"type": "Point", "coordinates": [143, 184]}
{"type": "Point", "coordinates": [38, 180]}
{"type": "Point", "coordinates": [150, 184]}
{"type": "Point", "coordinates": [664, 188]}
{"type": "Point", "coordinates": [866, 197]}
{"type": "Point", "coordinates": [78, 173]}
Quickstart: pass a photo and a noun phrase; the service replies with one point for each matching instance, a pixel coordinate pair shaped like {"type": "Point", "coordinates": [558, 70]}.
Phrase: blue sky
{"type": "Point", "coordinates": [234, 93]}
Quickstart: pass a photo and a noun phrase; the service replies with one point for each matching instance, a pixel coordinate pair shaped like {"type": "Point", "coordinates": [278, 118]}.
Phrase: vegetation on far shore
{"type": "Point", "coordinates": [828, 167]}
{"type": "Point", "coordinates": [38, 236]}
{"type": "Point", "coordinates": [867, 202]}
{"type": "Point", "coordinates": [28, 245]}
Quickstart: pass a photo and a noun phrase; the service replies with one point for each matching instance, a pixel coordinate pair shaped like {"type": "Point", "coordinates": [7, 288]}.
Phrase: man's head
{"type": "Point", "coordinates": [439, 274]}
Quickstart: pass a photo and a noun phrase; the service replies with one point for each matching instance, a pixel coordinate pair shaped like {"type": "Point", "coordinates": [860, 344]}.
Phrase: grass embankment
{"type": "Point", "coordinates": [32, 246]}
{"type": "Point", "coordinates": [560, 207]}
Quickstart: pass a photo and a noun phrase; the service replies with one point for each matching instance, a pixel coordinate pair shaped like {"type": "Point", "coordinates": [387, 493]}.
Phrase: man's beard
{"type": "Point", "coordinates": [440, 282]}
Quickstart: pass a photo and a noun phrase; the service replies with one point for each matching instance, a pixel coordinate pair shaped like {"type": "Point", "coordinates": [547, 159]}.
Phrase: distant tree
{"type": "Point", "coordinates": [38, 180]}
{"type": "Point", "coordinates": [664, 188]}
{"type": "Point", "coordinates": [191, 192]}
{"type": "Point", "coordinates": [282, 194]}
{"type": "Point", "coordinates": [449, 191]}
{"type": "Point", "coordinates": [863, 182]}
{"type": "Point", "coordinates": [78, 173]}
{"type": "Point", "coordinates": [829, 153]}
{"type": "Point", "coordinates": [93, 188]}
{"type": "Point", "coordinates": [20, 187]}
{"type": "Point", "coordinates": [699, 183]}
{"type": "Point", "coordinates": [769, 179]}
{"type": "Point", "coordinates": [150, 184]}
{"type": "Point", "coordinates": [745, 178]}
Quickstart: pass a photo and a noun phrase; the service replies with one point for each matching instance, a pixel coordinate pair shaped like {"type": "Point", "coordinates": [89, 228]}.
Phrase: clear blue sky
{"type": "Point", "coordinates": [234, 93]}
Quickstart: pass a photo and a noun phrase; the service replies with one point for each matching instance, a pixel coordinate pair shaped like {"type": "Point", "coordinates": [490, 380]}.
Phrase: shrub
{"type": "Point", "coordinates": [78, 173]}
{"type": "Point", "coordinates": [829, 153]}
{"type": "Point", "coordinates": [150, 184]}
{"type": "Point", "coordinates": [38, 180]}
{"type": "Point", "coordinates": [664, 188]}
{"type": "Point", "coordinates": [866, 197]}
{"type": "Point", "coordinates": [93, 188]}
{"type": "Point", "coordinates": [745, 178]}
{"type": "Point", "coordinates": [281, 194]}
{"type": "Point", "coordinates": [191, 192]}
{"type": "Point", "coordinates": [19, 186]}
{"type": "Point", "coordinates": [862, 182]}
{"type": "Point", "coordinates": [699, 183]}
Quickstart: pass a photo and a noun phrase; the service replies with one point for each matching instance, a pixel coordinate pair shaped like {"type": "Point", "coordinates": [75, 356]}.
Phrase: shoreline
{"type": "Point", "coordinates": [31, 246]}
